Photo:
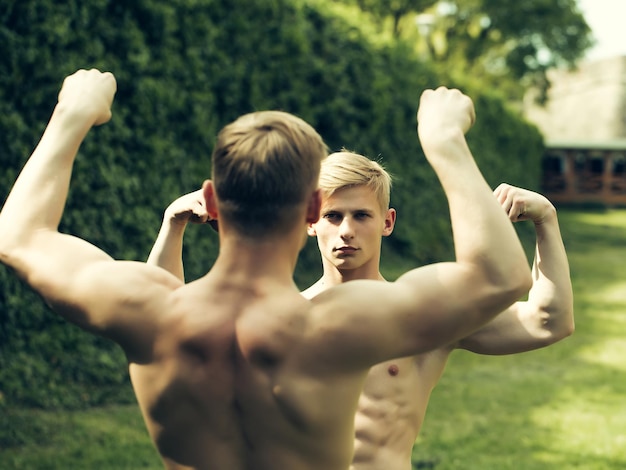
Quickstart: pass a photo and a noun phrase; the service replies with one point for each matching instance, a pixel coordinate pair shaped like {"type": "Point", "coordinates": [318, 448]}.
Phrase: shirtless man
{"type": "Point", "coordinates": [355, 215]}
{"type": "Point", "coordinates": [237, 370]}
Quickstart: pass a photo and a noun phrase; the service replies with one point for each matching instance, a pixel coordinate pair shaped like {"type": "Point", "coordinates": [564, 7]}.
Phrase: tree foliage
{"type": "Point", "coordinates": [511, 39]}
{"type": "Point", "coordinates": [504, 43]}
{"type": "Point", "coordinates": [184, 69]}
{"type": "Point", "coordinates": [396, 9]}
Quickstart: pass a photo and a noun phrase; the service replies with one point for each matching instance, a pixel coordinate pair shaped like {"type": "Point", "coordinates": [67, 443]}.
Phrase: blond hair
{"type": "Point", "coordinates": [347, 169]}
{"type": "Point", "coordinates": [265, 165]}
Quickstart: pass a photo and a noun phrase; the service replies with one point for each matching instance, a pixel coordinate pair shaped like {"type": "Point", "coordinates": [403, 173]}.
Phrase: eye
{"type": "Point", "coordinates": [332, 216]}
{"type": "Point", "coordinates": [362, 215]}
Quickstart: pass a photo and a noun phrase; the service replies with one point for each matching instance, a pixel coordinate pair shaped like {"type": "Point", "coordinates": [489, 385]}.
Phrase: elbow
{"type": "Point", "coordinates": [14, 257]}
{"type": "Point", "coordinates": [565, 330]}
{"type": "Point", "coordinates": [568, 332]}
{"type": "Point", "coordinates": [5, 251]}
{"type": "Point", "coordinates": [557, 326]}
{"type": "Point", "coordinates": [558, 313]}
{"type": "Point", "coordinates": [558, 334]}
{"type": "Point", "coordinates": [5, 254]}
{"type": "Point", "coordinates": [16, 245]}
{"type": "Point", "coordinates": [9, 245]}
{"type": "Point", "coordinates": [9, 251]}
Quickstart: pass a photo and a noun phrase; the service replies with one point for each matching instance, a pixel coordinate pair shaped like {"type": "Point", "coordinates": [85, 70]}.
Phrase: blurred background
{"type": "Point", "coordinates": [548, 79]}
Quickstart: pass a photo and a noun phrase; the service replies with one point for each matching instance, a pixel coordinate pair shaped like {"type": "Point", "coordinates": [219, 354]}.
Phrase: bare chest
{"type": "Point", "coordinates": [400, 389]}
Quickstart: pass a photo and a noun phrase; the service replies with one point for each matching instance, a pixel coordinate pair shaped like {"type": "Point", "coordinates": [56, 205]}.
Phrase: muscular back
{"type": "Point", "coordinates": [230, 384]}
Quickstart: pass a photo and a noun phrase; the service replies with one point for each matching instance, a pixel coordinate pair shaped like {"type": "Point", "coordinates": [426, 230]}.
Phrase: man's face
{"type": "Point", "coordinates": [350, 228]}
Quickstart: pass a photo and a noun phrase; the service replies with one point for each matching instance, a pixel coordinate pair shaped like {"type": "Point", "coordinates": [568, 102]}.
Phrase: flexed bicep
{"type": "Point", "coordinates": [124, 301]}
{"type": "Point", "coordinates": [513, 331]}
{"type": "Point", "coordinates": [48, 261]}
{"type": "Point", "coordinates": [437, 305]}
{"type": "Point", "coordinates": [87, 287]}
{"type": "Point", "coordinates": [374, 321]}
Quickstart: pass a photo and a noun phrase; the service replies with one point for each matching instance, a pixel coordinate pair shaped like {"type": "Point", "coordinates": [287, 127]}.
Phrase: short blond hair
{"type": "Point", "coordinates": [265, 165]}
{"type": "Point", "coordinates": [347, 169]}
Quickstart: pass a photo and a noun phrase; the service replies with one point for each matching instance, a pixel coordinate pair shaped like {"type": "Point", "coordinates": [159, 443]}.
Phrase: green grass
{"type": "Point", "coordinates": [112, 438]}
{"type": "Point", "coordinates": [563, 407]}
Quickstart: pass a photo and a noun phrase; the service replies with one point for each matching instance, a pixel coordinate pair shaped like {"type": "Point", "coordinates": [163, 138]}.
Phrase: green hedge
{"type": "Point", "coordinates": [184, 69]}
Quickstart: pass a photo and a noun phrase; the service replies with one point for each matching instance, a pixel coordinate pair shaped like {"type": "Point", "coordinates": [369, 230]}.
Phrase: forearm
{"type": "Point", "coordinates": [484, 238]}
{"type": "Point", "coordinates": [38, 197]}
{"type": "Point", "coordinates": [551, 295]}
{"type": "Point", "coordinates": [167, 251]}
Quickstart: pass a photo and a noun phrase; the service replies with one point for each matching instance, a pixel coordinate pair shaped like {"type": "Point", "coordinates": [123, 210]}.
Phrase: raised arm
{"type": "Point", "coordinates": [167, 252]}
{"type": "Point", "coordinates": [484, 239]}
{"type": "Point", "coordinates": [78, 280]}
{"type": "Point", "coordinates": [548, 314]}
{"type": "Point", "coordinates": [30, 217]}
{"type": "Point", "coordinates": [438, 304]}
{"type": "Point", "coordinates": [490, 271]}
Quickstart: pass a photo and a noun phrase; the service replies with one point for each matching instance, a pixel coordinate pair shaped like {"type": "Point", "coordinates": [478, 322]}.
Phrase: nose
{"type": "Point", "coordinates": [346, 229]}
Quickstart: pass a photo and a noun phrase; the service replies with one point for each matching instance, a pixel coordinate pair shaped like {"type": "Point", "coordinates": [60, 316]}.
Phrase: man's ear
{"type": "Point", "coordinates": [390, 222]}
{"type": "Point", "coordinates": [310, 230]}
{"type": "Point", "coordinates": [314, 207]}
{"type": "Point", "coordinates": [210, 199]}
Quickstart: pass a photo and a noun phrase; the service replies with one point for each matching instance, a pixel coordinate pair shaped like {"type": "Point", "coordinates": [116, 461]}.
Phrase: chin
{"type": "Point", "coordinates": [346, 265]}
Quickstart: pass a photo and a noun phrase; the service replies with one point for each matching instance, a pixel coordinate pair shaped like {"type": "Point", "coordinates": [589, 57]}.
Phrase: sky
{"type": "Point", "coordinates": [606, 18]}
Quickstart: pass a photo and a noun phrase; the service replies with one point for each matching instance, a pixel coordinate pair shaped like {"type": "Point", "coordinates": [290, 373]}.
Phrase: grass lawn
{"type": "Point", "coordinates": [112, 438]}
{"type": "Point", "coordinates": [563, 407]}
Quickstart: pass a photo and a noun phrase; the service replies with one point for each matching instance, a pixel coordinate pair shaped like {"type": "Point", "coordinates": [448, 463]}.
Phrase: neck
{"type": "Point", "coordinates": [272, 258]}
{"type": "Point", "coordinates": [333, 276]}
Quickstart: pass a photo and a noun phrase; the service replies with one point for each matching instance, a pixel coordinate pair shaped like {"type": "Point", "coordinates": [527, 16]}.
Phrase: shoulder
{"type": "Point", "coordinates": [121, 278]}
{"type": "Point", "coordinates": [121, 300]}
{"type": "Point", "coordinates": [313, 290]}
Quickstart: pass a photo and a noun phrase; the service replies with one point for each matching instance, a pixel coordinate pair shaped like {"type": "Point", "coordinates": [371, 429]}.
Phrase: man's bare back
{"type": "Point", "coordinates": [224, 385]}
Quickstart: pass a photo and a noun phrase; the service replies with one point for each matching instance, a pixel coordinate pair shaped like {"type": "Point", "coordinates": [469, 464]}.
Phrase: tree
{"type": "Point", "coordinates": [396, 9]}
{"type": "Point", "coordinates": [508, 44]}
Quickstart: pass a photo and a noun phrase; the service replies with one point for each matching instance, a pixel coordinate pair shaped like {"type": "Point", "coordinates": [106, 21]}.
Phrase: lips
{"type": "Point", "coordinates": [346, 250]}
